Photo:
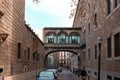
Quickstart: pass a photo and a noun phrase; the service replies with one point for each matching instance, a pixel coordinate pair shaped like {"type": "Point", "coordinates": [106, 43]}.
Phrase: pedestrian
{"type": "Point", "coordinates": [83, 73]}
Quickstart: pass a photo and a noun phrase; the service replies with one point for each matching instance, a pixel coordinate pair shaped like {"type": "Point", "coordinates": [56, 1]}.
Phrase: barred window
{"type": "Point", "coordinates": [28, 53]}
{"type": "Point", "coordinates": [89, 28]}
{"type": "Point", "coordinates": [95, 51]}
{"type": "Point", "coordinates": [88, 54]}
{"type": "Point", "coordinates": [117, 44]}
{"type": "Point", "coordinates": [95, 20]}
{"type": "Point", "coordinates": [109, 48]}
{"type": "Point", "coordinates": [117, 2]}
{"type": "Point", "coordinates": [19, 50]}
{"type": "Point", "coordinates": [109, 6]}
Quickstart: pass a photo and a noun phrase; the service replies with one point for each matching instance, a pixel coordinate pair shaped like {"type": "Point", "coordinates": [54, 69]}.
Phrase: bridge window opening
{"type": "Point", "coordinates": [75, 38]}
{"type": "Point", "coordinates": [51, 38]}
{"type": "Point", "coordinates": [62, 38]}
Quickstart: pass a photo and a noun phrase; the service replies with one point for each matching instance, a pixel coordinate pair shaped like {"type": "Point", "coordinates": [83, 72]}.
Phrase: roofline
{"type": "Point", "coordinates": [62, 28]}
{"type": "Point", "coordinates": [27, 26]}
{"type": "Point", "coordinates": [76, 13]}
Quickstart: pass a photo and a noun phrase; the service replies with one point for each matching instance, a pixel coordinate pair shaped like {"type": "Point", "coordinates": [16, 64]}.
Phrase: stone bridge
{"type": "Point", "coordinates": [52, 48]}
{"type": "Point", "coordinates": [62, 39]}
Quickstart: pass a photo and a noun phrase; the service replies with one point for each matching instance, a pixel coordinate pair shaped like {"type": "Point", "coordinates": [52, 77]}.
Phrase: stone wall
{"type": "Point", "coordinates": [107, 26]}
{"type": "Point", "coordinates": [12, 22]}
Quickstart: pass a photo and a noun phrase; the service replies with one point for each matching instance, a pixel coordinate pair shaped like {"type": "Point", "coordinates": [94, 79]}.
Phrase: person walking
{"type": "Point", "coordinates": [83, 74]}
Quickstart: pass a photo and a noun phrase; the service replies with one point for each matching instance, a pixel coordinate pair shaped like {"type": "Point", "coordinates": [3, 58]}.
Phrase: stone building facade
{"type": "Point", "coordinates": [100, 18]}
{"type": "Point", "coordinates": [21, 54]}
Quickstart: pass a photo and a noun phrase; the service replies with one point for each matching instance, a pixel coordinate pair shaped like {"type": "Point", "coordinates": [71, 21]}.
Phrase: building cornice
{"type": "Point", "coordinates": [63, 28]}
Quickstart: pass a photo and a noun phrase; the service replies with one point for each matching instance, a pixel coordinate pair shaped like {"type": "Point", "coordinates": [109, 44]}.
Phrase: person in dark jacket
{"type": "Point", "coordinates": [83, 73]}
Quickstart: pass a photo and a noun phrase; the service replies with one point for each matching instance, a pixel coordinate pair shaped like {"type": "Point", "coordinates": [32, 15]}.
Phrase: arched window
{"type": "Point", "coordinates": [74, 38]}
{"type": "Point", "coordinates": [50, 38]}
{"type": "Point", "coordinates": [62, 38]}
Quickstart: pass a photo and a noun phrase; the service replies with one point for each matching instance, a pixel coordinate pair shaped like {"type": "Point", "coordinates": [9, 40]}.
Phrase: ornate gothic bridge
{"type": "Point", "coordinates": [62, 39]}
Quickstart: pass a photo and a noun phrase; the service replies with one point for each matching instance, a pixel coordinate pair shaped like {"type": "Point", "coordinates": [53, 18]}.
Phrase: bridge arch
{"type": "Point", "coordinates": [76, 52]}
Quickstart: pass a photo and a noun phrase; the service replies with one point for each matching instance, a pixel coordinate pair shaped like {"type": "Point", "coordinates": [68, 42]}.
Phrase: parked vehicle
{"type": "Point", "coordinates": [46, 75]}
{"type": "Point", "coordinates": [55, 71]}
{"type": "Point", "coordinates": [59, 69]}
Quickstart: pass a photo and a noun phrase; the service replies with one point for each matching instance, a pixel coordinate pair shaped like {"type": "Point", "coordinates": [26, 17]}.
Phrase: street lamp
{"type": "Point", "coordinates": [1, 14]}
{"type": "Point", "coordinates": [99, 41]}
{"type": "Point", "coordinates": [1, 70]}
{"type": "Point", "coordinates": [3, 36]}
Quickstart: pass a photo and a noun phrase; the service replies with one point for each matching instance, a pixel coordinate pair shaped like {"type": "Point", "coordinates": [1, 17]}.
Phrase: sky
{"type": "Point", "coordinates": [48, 13]}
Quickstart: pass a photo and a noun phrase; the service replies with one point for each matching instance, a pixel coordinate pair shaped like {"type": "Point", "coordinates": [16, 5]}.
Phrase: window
{"type": "Point", "coordinates": [84, 56]}
{"type": "Point", "coordinates": [95, 51]}
{"type": "Point", "coordinates": [37, 57]}
{"type": "Point", "coordinates": [115, 78]}
{"type": "Point", "coordinates": [109, 77]}
{"type": "Point", "coordinates": [84, 33]}
{"type": "Point", "coordinates": [62, 38]}
{"type": "Point", "coordinates": [11, 69]}
{"type": "Point", "coordinates": [109, 6]}
{"type": "Point", "coordinates": [19, 50]}
{"type": "Point", "coordinates": [51, 38]}
{"type": "Point", "coordinates": [89, 28]}
{"type": "Point", "coordinates": [95, 20]}
{"type": "Point", "coordinates": [35, 44]}
{"type": "Point", "coordinates": [88, 54]}
{"type": "Point", "coordinates": [117, 2]}
{"type": "Point", "coordinates": [28, 53]}
{"type": "Point", "coordinates": [88, 6]}
{"type": "Point", "coordinates": [109, 48]}
{"type": "Point", "coordinates": [117, 44]}
{"type": "Point", "coordinates": [74, 38]}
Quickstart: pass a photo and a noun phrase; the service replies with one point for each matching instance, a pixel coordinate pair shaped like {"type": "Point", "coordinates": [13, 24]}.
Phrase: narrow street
{"type": "Point", "coordinates": [67, 75]}
{"type": "Point", "coordinates": [42, 39]}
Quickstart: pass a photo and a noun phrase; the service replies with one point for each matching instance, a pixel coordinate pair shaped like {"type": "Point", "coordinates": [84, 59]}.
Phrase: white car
{"type": "Point", "coordinates": [53, 70]}
{"type": "Point", "coordinates": [46, 75]}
